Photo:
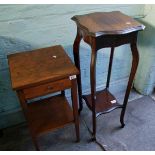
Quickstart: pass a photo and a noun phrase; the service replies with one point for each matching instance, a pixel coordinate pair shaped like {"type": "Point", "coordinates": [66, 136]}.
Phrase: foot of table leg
{"type": "Point", "coordinates": [34, 139]}
{"type": "Point", "coordinates": [122, 121]}
{"type": "Point", "coordinates": [93, 138]}
{"type": "Point", "coordinates": [134, 66]}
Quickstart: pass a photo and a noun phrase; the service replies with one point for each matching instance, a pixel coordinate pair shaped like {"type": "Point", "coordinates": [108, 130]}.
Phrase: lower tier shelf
{"type": "Point", "coordinates": [105, 102]}
{"type": "Point", "coordinates": [49, 114]}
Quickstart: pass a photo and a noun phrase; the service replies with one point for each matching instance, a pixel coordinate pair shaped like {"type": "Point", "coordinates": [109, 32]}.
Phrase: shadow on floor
{"type": "Point", "coordinates": [138, 134]}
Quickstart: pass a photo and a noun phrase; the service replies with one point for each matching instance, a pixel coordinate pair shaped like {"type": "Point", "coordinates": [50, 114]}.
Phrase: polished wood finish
{"type": "Point", "coordinates": [47, 88]}
{"type": "Point", "coordinates": [32, 68]}
{"type": "Point", "coordinates": [49, 114]}
{"type": "Point", "coordinates": [75, 107]}
{"type": "Point", "coordinates": [102, 106]}
{"type": "Point", "coordinates": [40, 72]}
{"type": "Point", "coordinates": [76, 47]}
{"type": "Point", "coordinates": [105, 30]}
{"type": "Point", "coordinates": [103, 23]}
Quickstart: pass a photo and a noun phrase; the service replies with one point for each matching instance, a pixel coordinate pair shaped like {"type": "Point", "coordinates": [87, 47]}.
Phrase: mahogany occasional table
{"type": "Point", "coordinates": [104, 30]}
{"type": "Point", "coordinates": [40, 72]}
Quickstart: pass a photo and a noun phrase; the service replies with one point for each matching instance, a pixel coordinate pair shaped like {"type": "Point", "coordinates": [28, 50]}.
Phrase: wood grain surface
{"type": "Point", "coordinates": [40, 66]}
{"type": "Point", "coordinates": [100, 23]}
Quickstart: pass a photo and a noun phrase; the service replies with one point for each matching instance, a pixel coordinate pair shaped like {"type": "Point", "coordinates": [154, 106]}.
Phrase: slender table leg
{"type": "Point", "coordinates": [34, 139]}
{"type": "Point", "coordinates": [110, 67]}
{"type": "Point", "coordinates": [77, 63]}
{"type": "Point", "coordinates": [63, 92]}
{"type": "Point", "coordinates": [135, 56]}
{"type": "Point", "coordinates": [93, 86]}
{"type": "Point", "coordinates": [23, 103]}
{"type": "Point", "coordinates": [75, 107]}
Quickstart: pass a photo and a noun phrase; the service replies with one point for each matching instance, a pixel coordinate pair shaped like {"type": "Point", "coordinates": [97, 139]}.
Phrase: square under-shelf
{"type": "Point", "coordinates": [104, 102]}
{"type": "Point", "coordinates": [49, 114]}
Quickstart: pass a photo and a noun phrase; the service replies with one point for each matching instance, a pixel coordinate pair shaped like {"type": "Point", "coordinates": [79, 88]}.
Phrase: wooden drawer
{"type": "Point", "coordinates": [46, 88]}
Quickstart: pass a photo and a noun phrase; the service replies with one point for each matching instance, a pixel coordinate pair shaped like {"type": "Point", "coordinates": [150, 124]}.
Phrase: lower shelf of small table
{"type": "Point", "coordinates": [49, 114]}
{"type": "Point", "coordinates": [105, 102]}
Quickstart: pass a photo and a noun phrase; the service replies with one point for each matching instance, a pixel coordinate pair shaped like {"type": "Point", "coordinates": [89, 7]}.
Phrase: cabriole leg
{"type": "Point", "coordinates": [76, 47]}
{"type": "Point", "coordinates": [135, 60]}
{"type": "Point", "coordinates": [93, 86]}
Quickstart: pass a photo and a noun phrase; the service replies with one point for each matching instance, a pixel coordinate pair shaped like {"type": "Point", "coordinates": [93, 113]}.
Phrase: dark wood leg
{"type": "Point", "coordinates": [110, 67]}
{"type": "Point", "coordinates": [76, 47]}
{"type": "Point", "coordinates": [63, 92]}
{"type": "Point", "coordinates": [135, 61]}
{"type": "Point", "coordinates": [23, 103]}
{"type": "Point", "coordinates": [75, 108]}
{"type": "Point", "coordinates": [93, 86]}
{"type": "Point", "coordinates": [34, 139]}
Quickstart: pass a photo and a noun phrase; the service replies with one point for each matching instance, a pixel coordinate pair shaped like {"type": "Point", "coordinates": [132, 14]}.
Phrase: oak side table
{"type": "Point", "coordinates": [105, 30]}
{"type": "Point", "coordinates": [40, 72]}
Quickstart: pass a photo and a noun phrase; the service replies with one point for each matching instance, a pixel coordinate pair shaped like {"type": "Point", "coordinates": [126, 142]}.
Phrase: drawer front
{"type": "Point", "coordinates": [47, 88]}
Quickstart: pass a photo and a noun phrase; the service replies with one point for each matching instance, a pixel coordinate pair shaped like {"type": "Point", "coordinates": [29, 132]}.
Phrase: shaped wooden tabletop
{"type": "Point", "coordinates": [103, 23]}
{"type": "Point", "coordinates": [39, 66]}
